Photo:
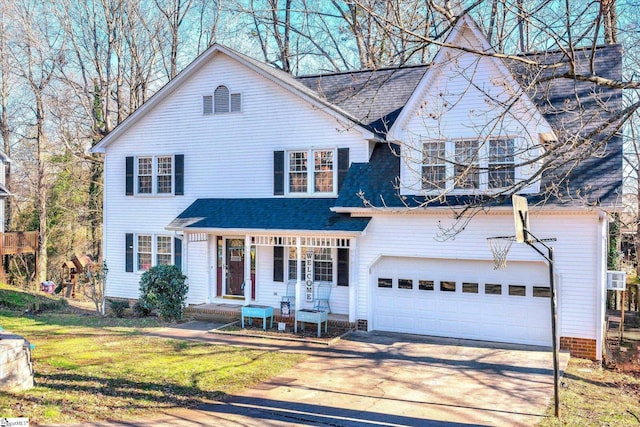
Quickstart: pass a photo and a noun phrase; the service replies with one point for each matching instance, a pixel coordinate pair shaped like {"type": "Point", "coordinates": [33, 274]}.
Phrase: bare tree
{"type": "Point", "coordinates": [174, 11]}
{"type": "Point", "coordinates": [38, 55]}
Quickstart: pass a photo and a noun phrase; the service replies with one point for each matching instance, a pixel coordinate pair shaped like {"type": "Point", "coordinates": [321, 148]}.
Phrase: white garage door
{"type": "Point", "coordinates": [462, 299]}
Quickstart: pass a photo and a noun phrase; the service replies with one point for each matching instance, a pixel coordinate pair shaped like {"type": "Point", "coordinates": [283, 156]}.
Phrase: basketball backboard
{"type": "Point", "coordinates": [521, 217]}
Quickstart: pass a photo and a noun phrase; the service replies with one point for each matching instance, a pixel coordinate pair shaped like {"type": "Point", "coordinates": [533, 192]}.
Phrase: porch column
{"type": "Point", "coordinates": [353, 279]}
{"type": "Point", "coordinates": [247, 270]}
{"type": "Point", "coordinates": [185, 254]}
{"type": "Point", "coordinates": [299, 272]}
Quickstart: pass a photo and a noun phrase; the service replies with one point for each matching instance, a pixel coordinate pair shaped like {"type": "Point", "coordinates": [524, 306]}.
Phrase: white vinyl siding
{"type": "Point", "coordinates": [447, 107]}
{"type": "Point", "coordinates": [220, 152]}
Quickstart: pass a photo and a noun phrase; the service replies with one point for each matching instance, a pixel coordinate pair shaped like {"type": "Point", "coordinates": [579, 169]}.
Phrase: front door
{"type": "Point", "coordinates": [235, 267]}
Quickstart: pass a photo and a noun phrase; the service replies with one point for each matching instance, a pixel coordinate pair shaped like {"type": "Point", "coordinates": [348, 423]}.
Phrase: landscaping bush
{"type": "Point", "coordinates": [118, 307]}
{"type": "Point", "coordinates": [141, 310]}
{"type": "Point", "coordinates": [164, 288]}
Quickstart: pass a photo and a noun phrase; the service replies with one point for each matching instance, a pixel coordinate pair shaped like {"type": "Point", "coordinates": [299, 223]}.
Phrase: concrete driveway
{"type": "Point", "coordinates": [391, 379]}
{"type": "Point", "coordinates": [383, 379]}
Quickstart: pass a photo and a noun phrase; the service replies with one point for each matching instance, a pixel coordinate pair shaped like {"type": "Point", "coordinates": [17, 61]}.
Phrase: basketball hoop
{"type": "Point", "coordinates": [500, 248]}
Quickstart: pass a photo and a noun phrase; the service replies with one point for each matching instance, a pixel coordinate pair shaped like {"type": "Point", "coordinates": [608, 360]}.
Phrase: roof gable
{"type": "Point", "coordinates": [452, 63]}
{"type": "Point", "coordinates": [280, 78]}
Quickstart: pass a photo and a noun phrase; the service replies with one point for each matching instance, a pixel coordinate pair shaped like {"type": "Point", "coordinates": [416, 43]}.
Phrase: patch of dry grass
{"type": "Point", "coordinates": [594, 396]}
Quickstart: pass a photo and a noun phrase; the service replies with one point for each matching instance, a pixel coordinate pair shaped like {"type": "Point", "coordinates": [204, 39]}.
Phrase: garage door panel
{"type": "Point", "coordinates": [474, 313]}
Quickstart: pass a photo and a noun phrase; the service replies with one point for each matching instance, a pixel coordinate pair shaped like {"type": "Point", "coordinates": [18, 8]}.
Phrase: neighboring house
{"type": "Point", "coordinates": [243, 175]}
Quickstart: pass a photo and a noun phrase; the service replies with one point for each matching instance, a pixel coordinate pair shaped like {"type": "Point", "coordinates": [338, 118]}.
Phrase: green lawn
{"type": "Point", "coordinates": [88, 367]}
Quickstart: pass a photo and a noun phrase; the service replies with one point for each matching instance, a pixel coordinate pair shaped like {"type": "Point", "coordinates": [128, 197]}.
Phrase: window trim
{"type": "Point", "coordinates": [154, 250]}
{"type": "Point", "coordinates": [310, 173]}
{"type": "Point", "coordinates": [154, 175]}
{"type": "Point", "coordinates": [483, 164]}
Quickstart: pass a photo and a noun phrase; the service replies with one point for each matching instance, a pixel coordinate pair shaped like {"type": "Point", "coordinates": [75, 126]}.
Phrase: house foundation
{"type": "Point", "coordinates": [584, 348]}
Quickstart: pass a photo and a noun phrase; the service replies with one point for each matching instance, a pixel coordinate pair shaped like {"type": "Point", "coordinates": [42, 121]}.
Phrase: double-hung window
{"type": "Point", "coordinates": [468, 164]}
{"type": "Point", "coordinates": [164, 174]}
{"type": "Point", "coordinates": [501, 163]}
{"type": "Point", "coordinates": [434, 168]}
{"type": "Point", "coordinates": [318, 178]}
{"type": "Point", "coordinates": [323, 264]}
{"type": "Point", "coordinates": [144, 252]}
{"type": "Point", "coordinates": [145, 175]}
{"type": "Point", "coordinates": [298, 168]}
{"type": "Point", "coordinates": [155, 175]}
{"type": "Point", "coordinates": [153, 250]}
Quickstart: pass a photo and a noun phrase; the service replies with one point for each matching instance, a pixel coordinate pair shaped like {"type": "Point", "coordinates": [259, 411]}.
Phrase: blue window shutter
{"type": "Point", "coordinates": [278, 264]}
{"type": "Point", "coordinates": [343, 267]}
{"type": "Point", "coordinates": [179, 174]}
{"type": "Point", "coordinates": [343, 165]}
{"type": "Point", "coordinates": [129, 176]}
{"type": "Point", "coordinates": [177, 252]}
{"type": "Point", "coordinates": [278, 173]}
{"type": "Point", "coordinates": [128, 253]}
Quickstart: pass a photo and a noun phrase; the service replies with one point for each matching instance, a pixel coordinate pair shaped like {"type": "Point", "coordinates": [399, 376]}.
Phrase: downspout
{"type": "Point", "coordinates": [353, 279]}
{"type": "Point", "coordinates": [104, 232]}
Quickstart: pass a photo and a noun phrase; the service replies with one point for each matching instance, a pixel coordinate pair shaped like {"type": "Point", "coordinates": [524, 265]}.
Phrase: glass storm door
{"type": "Point", "coordinates": [235, 267]}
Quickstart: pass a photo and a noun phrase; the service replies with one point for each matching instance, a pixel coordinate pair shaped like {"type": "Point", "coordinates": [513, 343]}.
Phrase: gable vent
{"type": "Point", "coordinates": [207, 104]}
{"type": "Point", "coordinates": [236, 102]}
{"type": "Point", "coordinates": [221, 95]}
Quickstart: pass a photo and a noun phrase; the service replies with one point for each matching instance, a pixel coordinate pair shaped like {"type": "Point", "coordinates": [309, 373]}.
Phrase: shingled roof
{"type": "Point", "coordinates": [585, 167]}
{"type": "Point", "coordinates": [374, 97]}
{"type": "Point", "coordinates": [299, 214]}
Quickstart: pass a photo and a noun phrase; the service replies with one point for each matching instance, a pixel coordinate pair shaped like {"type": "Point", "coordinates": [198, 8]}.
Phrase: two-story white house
{"type": "Point", "coordinates": [252, 180]}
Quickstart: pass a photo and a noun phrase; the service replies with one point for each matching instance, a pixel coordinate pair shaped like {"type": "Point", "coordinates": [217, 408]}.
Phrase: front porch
{"type": "Point", "coordinates": [231, 312]}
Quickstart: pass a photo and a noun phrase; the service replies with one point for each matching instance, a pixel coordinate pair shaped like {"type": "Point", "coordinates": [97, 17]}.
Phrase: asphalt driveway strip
{"type": "Point", "coordinates": [381, 379]}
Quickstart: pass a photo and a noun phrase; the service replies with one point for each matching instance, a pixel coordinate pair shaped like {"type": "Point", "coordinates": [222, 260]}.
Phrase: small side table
{"type": "Point", "coordinates": [258, 311]}
{"type": "Point", "coordinates": [312, 316]}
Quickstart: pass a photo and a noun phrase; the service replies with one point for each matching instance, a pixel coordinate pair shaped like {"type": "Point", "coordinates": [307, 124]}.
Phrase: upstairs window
{"type": "Point", "coordinates": [159, 175]}
{"type": "Point", "coordinates": [321, 179]}
{"type": "Point", "coordinates": [468, 165]}
{"type": "Point", "coordinates": [145, 175]}
{"type": "Point", "coordinates": [164, 175]}
{"type": "Point", "coordinates": [434, 169]}
{"type": "Point", "coordinates": [155, 175]}
{"type": "Point", "coordinates": [223, 101]}
{"type": "Point", "coordinates": [323, 171]}
{"type": "Point", "coordinates": [298, 172]}
{"type": "Point", "coordinates": [501, 163]}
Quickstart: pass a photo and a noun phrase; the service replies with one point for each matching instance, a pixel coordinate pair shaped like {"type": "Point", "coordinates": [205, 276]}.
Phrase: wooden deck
{"type": "Point", "coordinates": [21, 242]}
